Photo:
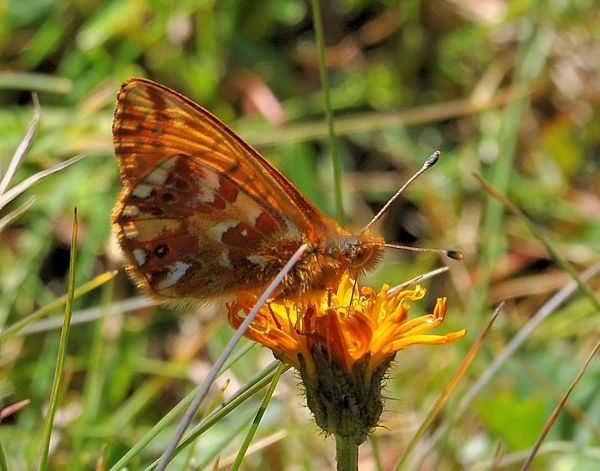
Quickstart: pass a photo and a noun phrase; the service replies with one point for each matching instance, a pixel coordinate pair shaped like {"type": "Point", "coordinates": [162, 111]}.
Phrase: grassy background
{"type": "Point", "coordinates": [509, 90]}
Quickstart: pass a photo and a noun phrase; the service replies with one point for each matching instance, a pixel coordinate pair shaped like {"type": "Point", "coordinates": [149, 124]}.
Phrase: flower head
{"type": "Point", "coordinates": [342, 344]}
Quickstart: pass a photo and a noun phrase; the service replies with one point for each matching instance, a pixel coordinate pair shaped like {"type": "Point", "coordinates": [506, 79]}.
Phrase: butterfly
{"type": "Point", "coordinates": [202, 214]}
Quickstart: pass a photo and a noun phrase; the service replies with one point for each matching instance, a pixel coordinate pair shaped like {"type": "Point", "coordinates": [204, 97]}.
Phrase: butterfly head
{"type": "Point", "coordinates": [362, 251]}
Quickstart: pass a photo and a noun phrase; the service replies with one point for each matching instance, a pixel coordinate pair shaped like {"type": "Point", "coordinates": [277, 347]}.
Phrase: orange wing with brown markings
{"type": "Point", "coordinates": [202, 213]}
{"type": "Point", "coordinates": [153, 122]}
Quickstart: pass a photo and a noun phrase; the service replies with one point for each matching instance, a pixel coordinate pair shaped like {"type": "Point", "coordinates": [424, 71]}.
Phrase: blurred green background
{"type": "Point", "coordinates": [506, 89]}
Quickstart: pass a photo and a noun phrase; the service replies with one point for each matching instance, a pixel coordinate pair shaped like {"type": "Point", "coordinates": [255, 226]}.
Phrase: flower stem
{"type": "Point", "coordinates": [346, 454]}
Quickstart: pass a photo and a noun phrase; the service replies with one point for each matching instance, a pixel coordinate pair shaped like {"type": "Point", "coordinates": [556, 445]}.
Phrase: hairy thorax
{"type": "Point", "coordinates": [324, 262]}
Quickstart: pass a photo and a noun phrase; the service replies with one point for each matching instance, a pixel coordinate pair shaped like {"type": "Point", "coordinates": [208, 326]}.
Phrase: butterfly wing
{"type": "Point", "coordinates": [202, 213]}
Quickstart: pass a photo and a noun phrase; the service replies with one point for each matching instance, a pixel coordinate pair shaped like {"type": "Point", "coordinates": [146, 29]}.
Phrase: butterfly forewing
{"type": "Point", "coordinates": [153, 122]}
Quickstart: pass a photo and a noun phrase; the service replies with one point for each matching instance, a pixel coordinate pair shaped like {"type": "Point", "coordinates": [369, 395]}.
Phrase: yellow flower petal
{"type": "Point", "coordinates": [346, 325]}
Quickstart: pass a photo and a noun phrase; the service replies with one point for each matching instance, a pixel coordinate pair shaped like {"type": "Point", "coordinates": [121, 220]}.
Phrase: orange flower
{"type": "Point", "coordinates": [342, 345]}
{"type": "Point", "coordinates": [350, 327]}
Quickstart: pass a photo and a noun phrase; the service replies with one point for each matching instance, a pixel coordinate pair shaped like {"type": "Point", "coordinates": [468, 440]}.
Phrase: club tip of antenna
{"type": "Point", "coordinates": [432, 159]}
{"type": "Point", "coordinates": [455, 254]}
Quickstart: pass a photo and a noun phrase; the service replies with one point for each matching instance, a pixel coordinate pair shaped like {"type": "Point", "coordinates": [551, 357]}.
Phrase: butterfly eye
{"type": "Point", "coordinates": [361, 257]}
{"type": "Point", "coordinates": [364, 251]}
{"type": "Point", "coordinates": [357, 255]}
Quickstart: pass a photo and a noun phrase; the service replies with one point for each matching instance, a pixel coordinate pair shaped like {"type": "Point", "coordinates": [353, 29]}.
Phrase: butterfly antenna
{"type": "Point", "coordinates": [454, 254]}
{"type": "Point", "coordinates": [430, 162]}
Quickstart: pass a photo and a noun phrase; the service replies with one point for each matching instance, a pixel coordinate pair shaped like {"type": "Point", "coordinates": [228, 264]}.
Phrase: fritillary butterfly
{"type": "Point", "coordinates": [202, 214]}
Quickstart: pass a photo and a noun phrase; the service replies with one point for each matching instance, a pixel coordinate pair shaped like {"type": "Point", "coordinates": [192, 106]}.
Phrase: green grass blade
{"type": "Point", "coordinates": [503, 357]}
{"type": "Point", "coordinates": [445, 395]}
{"type": "Point", "coordinates": [22, 148]}
{"type": "Point", "coordinates": [556, 412]}
{"type": "Point", "coordinates": [44, 311]}
{"type": "Point", "coordinates": [33, 81]}
{"type": "Point", "coordinates": [254, 385]}
{"type": "Point", "coordinates": [559, 259]}
{"type": "Point", "coordinates": [62, 352]}
{"type": "Point", "coordinates": [144, 394]}
{"type": "Point", "coordinates": [335, 157]}
{"type": "Point", "coordinates": [10, 217]}
{"type": "Point", "coordinates": [224, 357]}
{"type": "Point", "coordinates": [90, 314]}
{"type": "Point", "coordinates": [32, 180]}
{"type": "Point", "coordinates": [95, 381]}
{"type": "Point", "coordinates": [259, 415]}
{"type": "Point", "coordinates": [3, 464]}
{"type": "Point", "coordinates": [532, 58]}
{"type": "Point", "coordinates": [370, 121]}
